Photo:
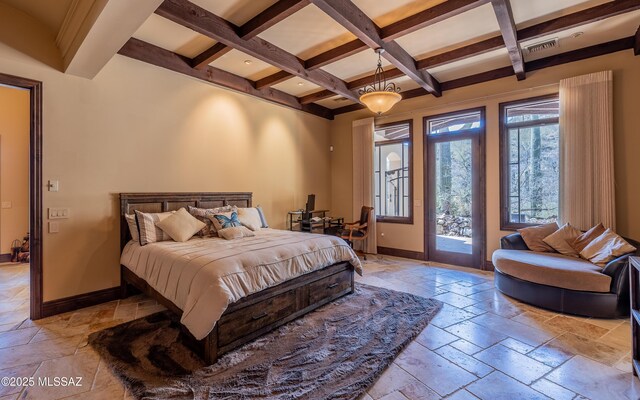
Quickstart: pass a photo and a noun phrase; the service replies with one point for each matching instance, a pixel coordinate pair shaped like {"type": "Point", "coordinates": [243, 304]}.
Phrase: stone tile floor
{"type": "Point", "coordinates": [481, 345]}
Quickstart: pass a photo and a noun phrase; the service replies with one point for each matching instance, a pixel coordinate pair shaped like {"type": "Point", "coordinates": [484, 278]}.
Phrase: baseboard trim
{"type": "Point", "coordinates": [414, 255]}
{"type": "Point", "coordinates": [73, 303]}
{"type": "Point", "coordinates": [5, 258]}
{"type": "Point", "coordinates": [488, 266]}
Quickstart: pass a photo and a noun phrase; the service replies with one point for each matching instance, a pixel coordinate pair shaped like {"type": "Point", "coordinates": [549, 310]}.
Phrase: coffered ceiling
{"type": "Point", "coordinates": [314, 55]}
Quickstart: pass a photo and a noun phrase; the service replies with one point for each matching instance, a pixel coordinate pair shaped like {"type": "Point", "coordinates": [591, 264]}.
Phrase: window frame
{"type": "Point", "coordinates": [391, 219]}
{"type": "Point", "coordinates": [505, 223]}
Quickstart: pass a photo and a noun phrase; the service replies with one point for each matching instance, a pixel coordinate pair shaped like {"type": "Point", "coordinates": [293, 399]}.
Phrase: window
{"type": "Point", "coordinates": [529, 153]}
{"type": "Point", "coordinates": [392, 165]}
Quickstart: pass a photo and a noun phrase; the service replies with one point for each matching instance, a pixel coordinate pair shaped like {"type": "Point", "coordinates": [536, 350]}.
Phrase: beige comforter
{"type": "Point", "coordinates": [203, 276]}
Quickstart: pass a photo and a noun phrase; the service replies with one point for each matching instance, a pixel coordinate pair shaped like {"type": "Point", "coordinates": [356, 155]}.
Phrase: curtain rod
{"type": "Point", "coordinates": [419, 110]}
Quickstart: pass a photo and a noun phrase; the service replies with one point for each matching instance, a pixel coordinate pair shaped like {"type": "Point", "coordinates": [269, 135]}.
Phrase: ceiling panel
{"type": "Point", "coordinates": [244, 65]}
{"type": "Point", "coordinates": [297, 87]}
{"type": "Point", "coordinates": [235, 11]}
{"type": "Point", "coordinates": [527, 12]}
{"type": "Point", "coordinates": [384, 13]}
{"type": "Point", "coordinates": [472, 65]}
{"type": "Point", "coordinates": [356, 66]}
{"type": "Point", "coordinates": [173, 37]}
{"type": "Point", "coordinates": [613, 28]}
{"type": "Point", "coordinates": [307, 33]}
{"type": "Point", "coordinates": [476, 24]}
{"type": "Point", "coordinates": [335, 102]}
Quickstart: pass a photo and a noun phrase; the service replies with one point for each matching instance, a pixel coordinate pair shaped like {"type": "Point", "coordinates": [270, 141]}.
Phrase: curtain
{"type": "Point", "coordinates": [587, 192]}
{"type": "Point", "coordinates": [363, 189]}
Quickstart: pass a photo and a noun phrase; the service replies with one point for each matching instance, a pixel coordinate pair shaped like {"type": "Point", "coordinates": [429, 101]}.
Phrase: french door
{"type": "Point", "coordinates": [455, 188]}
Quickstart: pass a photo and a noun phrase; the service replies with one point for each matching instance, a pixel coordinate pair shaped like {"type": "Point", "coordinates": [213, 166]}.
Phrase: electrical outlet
{"type": "Point", "coordinates": [6, 204]}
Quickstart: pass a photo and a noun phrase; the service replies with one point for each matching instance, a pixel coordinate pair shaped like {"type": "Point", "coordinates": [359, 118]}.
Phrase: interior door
{"type": "Point", "coordinates": [455, 188]}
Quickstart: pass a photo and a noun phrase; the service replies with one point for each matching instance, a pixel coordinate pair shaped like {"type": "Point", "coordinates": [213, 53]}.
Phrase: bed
{"type": "Point", "coordinates": [174, 274]}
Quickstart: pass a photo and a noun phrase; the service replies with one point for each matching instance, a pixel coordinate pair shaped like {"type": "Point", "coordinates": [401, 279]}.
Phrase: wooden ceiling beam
{"type": "Point", "coordinates": [273, 79]}
{"type": "Point", "coordinates": [407, 25]}
{"type": "Point", "coordinates": [573, 20]}
{"type": "Point", "coordinates": [256, 25]}
{"type": "Point", "coordinates": [355, 21]}
{"type": "Point", "coordinates": [211, 54]}
{"type": "Point", "coordinates": [504, 14]}
{"type": "Point", "coordinates": [271, 16]}
{"type": "Point", "coordinates": [551, 61]}
{"type": "Point", "coordinates": [146, 52]}
{"type": "Point", "coordinates": [430, 16]}
{"type": "Point", "coordinates": [206, 23]}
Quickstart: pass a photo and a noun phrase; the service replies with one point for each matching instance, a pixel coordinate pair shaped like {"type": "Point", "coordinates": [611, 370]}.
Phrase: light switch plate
{"type": "Point", "coordinates": [54, 186]}
{"type": "Point", "coordinates": [59, 213]}
{"type": "Point", "coordinates": [54, 227]}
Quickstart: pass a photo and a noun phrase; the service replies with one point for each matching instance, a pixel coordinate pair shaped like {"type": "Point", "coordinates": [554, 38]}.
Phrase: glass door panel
{"type": "Point", "coordinates": [454, 196]}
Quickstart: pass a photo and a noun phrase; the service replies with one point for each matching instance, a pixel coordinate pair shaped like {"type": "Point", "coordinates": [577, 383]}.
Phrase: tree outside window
{"type": "Point", "coordinates": [529, 136]}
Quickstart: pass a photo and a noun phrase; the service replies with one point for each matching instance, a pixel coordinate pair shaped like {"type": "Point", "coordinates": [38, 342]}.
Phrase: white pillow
{"type": "Point", "coordinates": [147, 229]}
{"type": "Point", "coordinates": [181, 226]}
{"type": "Point", "coordinates": [133, 227]}
{"type": "Point", "coordinates": [605, 248]}
{"type": "Point", "coordinates": [235, 232]}
{"type": "Point", "coordinates": [250, 218]}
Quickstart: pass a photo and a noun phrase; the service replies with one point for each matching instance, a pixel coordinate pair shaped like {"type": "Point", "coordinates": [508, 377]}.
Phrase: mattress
{"type": "Point", "coordinates": [204, 275]}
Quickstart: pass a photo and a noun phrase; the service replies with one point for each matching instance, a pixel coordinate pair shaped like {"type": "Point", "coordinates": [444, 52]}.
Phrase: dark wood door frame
{"type": "Point", "coordinates": [479, 188]}
{"type": "Point", "coordinates": [35, 187]}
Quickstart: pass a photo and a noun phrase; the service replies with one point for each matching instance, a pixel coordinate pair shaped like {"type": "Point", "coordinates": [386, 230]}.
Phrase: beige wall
{"type": "Point", "coordinates": [139, 128]}
{"type": "Point", "coordinates": [626, 70]}
{"type": "Point", "coordinates": [14, 165]}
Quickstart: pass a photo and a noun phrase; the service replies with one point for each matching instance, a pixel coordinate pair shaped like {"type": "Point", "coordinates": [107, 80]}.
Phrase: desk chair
{"type": "Point", "coordinates": [358, 230]}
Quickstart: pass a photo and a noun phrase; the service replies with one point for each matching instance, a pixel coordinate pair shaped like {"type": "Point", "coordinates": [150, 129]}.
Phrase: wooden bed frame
{"type": "Point", "coordinates": [253, 315]}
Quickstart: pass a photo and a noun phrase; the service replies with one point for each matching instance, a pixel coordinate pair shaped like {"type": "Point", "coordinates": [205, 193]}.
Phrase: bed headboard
{"type": "Point", "coordinates": [162, 202]}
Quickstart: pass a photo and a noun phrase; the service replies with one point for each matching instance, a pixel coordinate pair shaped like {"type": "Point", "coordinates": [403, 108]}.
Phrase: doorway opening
{"type": "Point", "coordinates": [21, 192]}
{"type": "Point", "coordinates": [455, 188]}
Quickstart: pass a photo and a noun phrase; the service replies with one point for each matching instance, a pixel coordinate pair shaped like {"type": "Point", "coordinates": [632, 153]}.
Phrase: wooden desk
{"type": "Point", "coordinates": [310, 226]}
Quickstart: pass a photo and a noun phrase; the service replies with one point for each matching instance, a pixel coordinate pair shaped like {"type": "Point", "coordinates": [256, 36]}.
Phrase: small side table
{"type": "Point", "coordinates": [634, 294]}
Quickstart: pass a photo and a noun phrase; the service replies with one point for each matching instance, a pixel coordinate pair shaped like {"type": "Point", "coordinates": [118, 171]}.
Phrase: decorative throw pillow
{"type": "Point", "coordinates": [605, 248]}
{"type": "Point", "coordinates": [250, 218]}
{"type": "Point", "coordinates": [133, 227]}
{"type": "Point", "coordinates": [262, 218]}
{"type": "Point", "coordinates": [561, 238]}
{"type": "Point", "coordinates": [235, 232]}
{"type": "Point", "coordinates": [181, 226]}
{"type": "Point", "coordinates": [147, 229]}
{"type": "Point", "coordinates": [533, 236]}
{"type": "Point", "coordinates": [583, 240]}
{"type": "Point", "coordinates": [201, 214]}
{"type": "Point", "coordinates": [225, 219]}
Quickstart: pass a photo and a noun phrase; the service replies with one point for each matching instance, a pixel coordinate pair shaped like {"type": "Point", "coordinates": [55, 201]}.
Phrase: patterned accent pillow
{"type": "Point", "coordinates": [201, 214]}
{"type": "Point", "coordinates": [149, 232]}
{"type": "Point", "coordinates": [224, 220]}
{"type": "Point", "coordinates": [133, 227]}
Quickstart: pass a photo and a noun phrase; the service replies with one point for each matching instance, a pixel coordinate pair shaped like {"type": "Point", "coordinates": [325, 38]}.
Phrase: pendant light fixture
{"type": "Point", "coordinates": [380, 96]}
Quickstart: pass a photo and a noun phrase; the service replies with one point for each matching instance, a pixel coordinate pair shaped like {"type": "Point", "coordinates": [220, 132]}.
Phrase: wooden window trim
{"type": "Point", "coordinates": [505, 224]}
{"type": "Point", "coordinates": [408, 220]}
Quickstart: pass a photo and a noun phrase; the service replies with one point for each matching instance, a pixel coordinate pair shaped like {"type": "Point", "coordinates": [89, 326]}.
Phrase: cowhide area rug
{"type": "Point", "coordinates": [335, 352]}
